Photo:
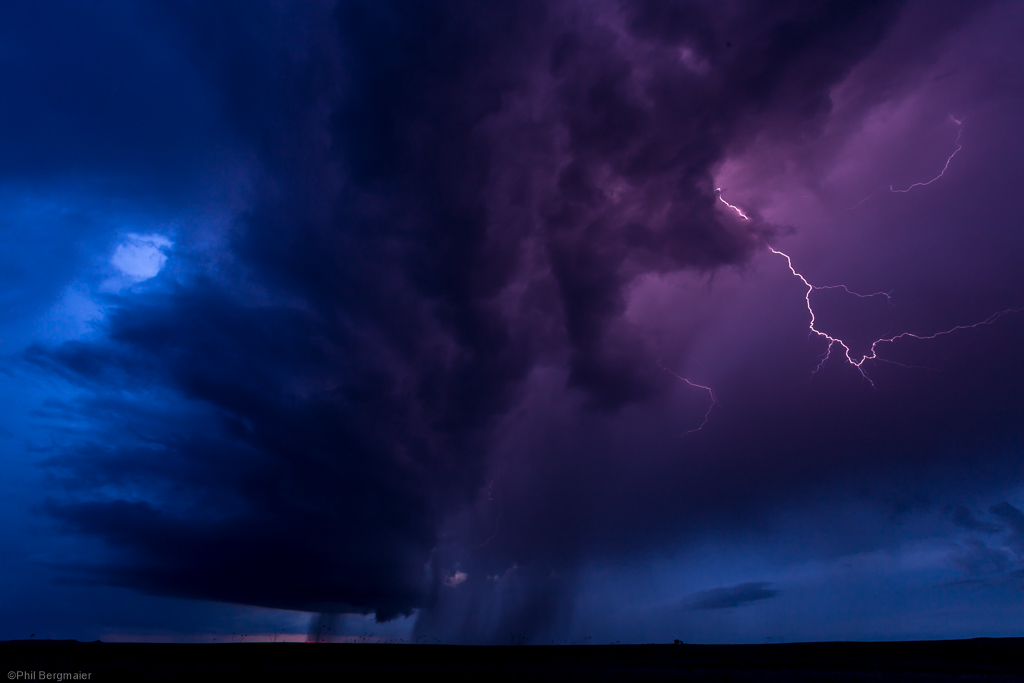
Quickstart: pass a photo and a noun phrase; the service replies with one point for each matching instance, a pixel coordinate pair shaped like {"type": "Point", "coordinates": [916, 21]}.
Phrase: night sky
{"type": "Point", "coordinates": [472, 322]}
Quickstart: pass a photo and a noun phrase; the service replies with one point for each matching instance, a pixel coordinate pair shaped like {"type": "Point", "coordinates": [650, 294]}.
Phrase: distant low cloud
{"type": "Point", "coordinates": [976, 557]}
{"type": "Point", "coordinates": [731, 596]}
{"type": "Point", "coordinates": [963, 517]}
{"type": "Point", "coordinates": [1014, 519]}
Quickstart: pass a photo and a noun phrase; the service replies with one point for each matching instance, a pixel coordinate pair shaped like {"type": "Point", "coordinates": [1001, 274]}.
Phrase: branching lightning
{"type": "Point", "coordinates": [872, 354]}
{"type": "Point", "coordinates": [833, 342]}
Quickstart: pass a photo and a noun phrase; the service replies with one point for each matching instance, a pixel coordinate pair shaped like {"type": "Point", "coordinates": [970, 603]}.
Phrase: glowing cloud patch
{"type": "Point", "coordinates": [141, 257]}
{"type": "Point", "coordinates": [455, 579]}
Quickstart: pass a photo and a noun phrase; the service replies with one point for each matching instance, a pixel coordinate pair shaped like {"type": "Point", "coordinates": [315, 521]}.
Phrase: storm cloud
{"type": "Point", "coordinates": [417, 349]}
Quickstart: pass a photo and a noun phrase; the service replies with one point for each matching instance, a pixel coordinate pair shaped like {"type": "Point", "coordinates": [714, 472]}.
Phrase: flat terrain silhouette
{"type": "Point", "coordinates": [982, 659]}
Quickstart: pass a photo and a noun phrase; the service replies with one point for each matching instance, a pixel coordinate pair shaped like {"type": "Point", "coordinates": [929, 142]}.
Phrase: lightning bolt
{"type": "Point", "coordinates": [960, 127]}
{"type": "Point", "coordinates": [711, 395]}
{"type": "Point", "coordinates": [735, 208]}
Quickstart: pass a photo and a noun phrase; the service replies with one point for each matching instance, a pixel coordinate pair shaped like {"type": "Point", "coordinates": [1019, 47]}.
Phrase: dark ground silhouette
{"type": "Point", "coordinates": [982, 659]}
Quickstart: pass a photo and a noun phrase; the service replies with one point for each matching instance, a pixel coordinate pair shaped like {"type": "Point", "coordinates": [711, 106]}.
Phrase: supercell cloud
{"type": "Point", "coordinates": [380, 299]}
